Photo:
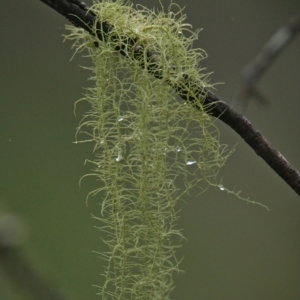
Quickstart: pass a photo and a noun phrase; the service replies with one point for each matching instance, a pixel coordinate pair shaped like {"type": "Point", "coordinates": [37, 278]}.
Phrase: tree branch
{"type": "Point", "coordinates": [252, 73]}
{"type": "Point", "coordinates": [77, 13]}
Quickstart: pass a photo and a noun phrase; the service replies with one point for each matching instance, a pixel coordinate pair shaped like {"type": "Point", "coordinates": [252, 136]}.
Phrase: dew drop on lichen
{"type": "Point", "coordinates": [221, 187]}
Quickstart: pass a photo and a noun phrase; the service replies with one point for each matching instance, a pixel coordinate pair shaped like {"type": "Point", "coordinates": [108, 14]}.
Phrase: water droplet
{"type": "Point", "coordinates": [118, 158]}
{"type": "Point", "coordinates": [178, 149]}
{"type": "Point", "coordinates": [120, 119]}
{"type": "Point", "coordinates": [221, 187]}
{"type": "Point", "coordinates": [190, 162]}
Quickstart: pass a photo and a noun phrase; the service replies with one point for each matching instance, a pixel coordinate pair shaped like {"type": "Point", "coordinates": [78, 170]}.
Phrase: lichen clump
{"type": "Point", "coordinates": [147, 155]}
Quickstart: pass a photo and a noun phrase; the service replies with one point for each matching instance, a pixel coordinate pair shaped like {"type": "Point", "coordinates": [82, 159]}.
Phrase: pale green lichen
{"type": "Point", "coordinates": [145, 147]}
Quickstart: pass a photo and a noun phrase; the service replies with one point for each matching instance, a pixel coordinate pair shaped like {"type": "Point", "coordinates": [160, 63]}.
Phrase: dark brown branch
{"type": "Point", "coordinates": [256, 68]}
{"type": "Point", "coordinates": [76, 12]}
{"type": "Point", "coordinates": [257, 142]}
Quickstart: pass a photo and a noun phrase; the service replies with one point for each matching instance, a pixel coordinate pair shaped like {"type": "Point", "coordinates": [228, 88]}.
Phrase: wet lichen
{"type": "Point", "coordinates": [146, 153]}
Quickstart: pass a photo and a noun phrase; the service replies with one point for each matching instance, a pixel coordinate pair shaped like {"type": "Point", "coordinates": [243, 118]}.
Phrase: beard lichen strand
{"type": "Point", "coordinates": [144, 147]}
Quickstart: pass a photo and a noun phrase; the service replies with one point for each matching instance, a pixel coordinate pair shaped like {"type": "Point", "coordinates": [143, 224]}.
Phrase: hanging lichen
{"type": "Point", "coordinates": [144, 146]}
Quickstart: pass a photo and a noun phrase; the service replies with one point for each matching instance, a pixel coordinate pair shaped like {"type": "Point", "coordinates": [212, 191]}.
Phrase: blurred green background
{"type": "Point", "coordinates": [233, 250]}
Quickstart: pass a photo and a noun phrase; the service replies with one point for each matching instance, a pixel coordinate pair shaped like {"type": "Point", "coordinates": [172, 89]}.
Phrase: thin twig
{"type": "Point", "coordinates": [76, 12]}
{"type": "Point", "coordinates": [253, 72]}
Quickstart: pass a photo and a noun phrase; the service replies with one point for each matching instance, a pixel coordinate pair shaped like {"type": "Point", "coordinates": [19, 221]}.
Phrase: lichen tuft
{"type": "Point", "coordinates": [145, 144]}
